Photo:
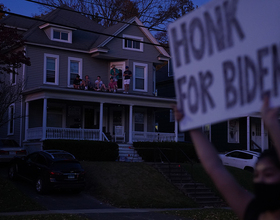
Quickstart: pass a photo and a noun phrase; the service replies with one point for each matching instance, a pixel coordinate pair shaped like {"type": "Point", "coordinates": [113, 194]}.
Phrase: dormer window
{"type": "Point", "coordinates": [132, 43]}
{"type": "Point", "coordinates": [61, 35]}
{"type": "Point", "coordinates": [58, 33]}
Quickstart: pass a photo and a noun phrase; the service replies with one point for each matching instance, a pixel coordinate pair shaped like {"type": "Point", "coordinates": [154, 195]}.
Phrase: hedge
{"type": "Point", "coordinates": [85, 150]}
{"type": "Point", "coordinates": [166, 151]}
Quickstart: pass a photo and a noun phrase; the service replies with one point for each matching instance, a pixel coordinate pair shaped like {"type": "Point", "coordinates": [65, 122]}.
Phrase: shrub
{"type": "Point", "coordinates": [166, 151]}
{"type": "Point", "coordinates": [85, 150]}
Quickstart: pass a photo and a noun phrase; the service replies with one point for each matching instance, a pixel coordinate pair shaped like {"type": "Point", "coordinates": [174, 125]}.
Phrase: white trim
{"type": "Point", "coordinates": [11, 119]}
{"type": "Point", "coordinates": [133, 38]}
{"type": "Point", "coordinates": [56, 26]}
{"type": "Point", "coordinates": [60, 30]}
{"type": "Point", "coordinates": [145, 76]}
{"type": "Point", "coordinates": [56, 57]}
{"type": "Point", "coordinates": [80, 61]}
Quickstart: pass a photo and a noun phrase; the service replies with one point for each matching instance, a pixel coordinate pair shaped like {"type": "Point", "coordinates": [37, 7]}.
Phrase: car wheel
{"type": "Point", "coordinates": [13, 170]}
{"type": "Point", "coordinates": [41, 186]}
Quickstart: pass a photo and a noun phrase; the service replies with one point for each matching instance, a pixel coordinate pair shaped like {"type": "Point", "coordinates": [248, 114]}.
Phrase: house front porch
{"type": "Point", "coordinates": [38, 133]}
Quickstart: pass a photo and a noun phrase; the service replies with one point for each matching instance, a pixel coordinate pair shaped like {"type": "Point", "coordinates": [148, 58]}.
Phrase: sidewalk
{"type": "Point", "coordinates": [108, 214]}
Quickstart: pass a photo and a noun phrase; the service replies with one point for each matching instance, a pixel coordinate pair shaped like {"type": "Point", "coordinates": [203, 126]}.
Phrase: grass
{"type": "Point", "coordinates": [130, 185]}
{"type": "Point", "coordinates": [12, 199]}
{"type": "Point", "coordinates": [243, 177]}
{"type": "Point", "coordinates": [134, 185]}
{"type": "Point", "coordinates": [205, 214]}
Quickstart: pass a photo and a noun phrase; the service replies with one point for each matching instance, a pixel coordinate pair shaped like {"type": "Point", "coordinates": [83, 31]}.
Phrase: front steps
{"type": "Point", "coordinates": [182, 180]}
{"type": "Point", "coordinates": [127, 153]}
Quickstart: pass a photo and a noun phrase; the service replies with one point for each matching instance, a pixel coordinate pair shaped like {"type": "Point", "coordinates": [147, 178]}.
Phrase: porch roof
{"type": "Point", "coordinates": [46, 92]}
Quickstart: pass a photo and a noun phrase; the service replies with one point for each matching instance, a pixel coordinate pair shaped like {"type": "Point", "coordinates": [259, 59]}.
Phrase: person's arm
{"type": "Point", "coordinates": [270, 117]}
{"type": "Point", "coordinates": [236, 196]}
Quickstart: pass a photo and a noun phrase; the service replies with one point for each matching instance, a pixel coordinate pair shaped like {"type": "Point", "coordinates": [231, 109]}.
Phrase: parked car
{"type": "Point", "coordinates": [9, 149]}
{"type": "Point", "coordinates": [242, 159]}
{"type": "Point", "coordinates": [49, 170]}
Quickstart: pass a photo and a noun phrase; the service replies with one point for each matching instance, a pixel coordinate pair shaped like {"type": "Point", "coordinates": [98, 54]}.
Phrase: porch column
{"type": "Point", "coordinates": [100, 121]}
{"type": "Point", "coordinates": [176, 130]}
{"type": "Point", "coordinates": [130, 126]}
{"type": "Point", "coordinates": [26, 120]}
{"type": "Point", "coordinates": [248, 133]}
{"type": "Point", "coordinates": [45, 105]}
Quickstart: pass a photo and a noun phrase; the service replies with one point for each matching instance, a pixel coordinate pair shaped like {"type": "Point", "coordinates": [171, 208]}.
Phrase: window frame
{"type": "Point", "coordinates": [235, 129]}
{"type": "Point", "coordinates": [11, 116]}
{"type": "Point", "coordinates": [56, 57]}
{"type": "Point", "coordinates": [131, 37]}
{"type": "Point", "coordinates": [80, 61]}
{"type": "Point", "coordinates": [13, 76]}
{"type": "Point", "coordinates": [60, 30]}
{"type": "Point", "coordinates": [145, 77]}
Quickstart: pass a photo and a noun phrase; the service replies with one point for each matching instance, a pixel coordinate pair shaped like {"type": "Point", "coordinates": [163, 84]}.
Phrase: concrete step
{"type": "Point", "coordinates": [127, 153]}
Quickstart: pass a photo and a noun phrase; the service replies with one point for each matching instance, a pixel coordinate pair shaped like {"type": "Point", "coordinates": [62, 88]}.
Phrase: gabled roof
{"type": "Point", "coordinates": [83, 28]}
{"type": "Point", "coordinates": [118, 28]}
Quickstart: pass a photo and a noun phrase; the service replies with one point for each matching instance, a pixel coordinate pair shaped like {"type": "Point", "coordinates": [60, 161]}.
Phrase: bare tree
{"type": "Point", "coordinates": [12, 56]}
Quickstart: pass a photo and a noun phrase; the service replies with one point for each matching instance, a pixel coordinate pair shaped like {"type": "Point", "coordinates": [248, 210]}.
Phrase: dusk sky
{"type": "Point", "coordinates": [29, 8]}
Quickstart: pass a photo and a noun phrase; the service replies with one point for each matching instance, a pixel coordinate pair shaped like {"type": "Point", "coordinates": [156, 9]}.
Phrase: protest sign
{"type": "Point", "coordinates": [225, 58]}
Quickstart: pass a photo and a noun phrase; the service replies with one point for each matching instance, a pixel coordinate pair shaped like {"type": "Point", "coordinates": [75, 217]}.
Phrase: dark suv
{"type": "Point", "coordinates": [49, 169]}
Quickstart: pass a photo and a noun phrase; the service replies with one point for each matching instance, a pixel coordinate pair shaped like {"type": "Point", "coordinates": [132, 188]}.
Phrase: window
{"type": "Point", "coordinates": [74, 68]}
{"type": "Point", "coordinates": [132, 43]}
{"type": "Point", "coordinates": [233, 131]}
{"type": "Point", "coordinates": [61, 35]}
{"type": "Point", "coordinates": [11, 119]}
{"type": "Point", "coordinates": [171, 116]}
{"type": "Point", "coordinates": [51, 69]}
{"type": "Point", "coordinates": [139, 121]}
{"type": "Point", "coordinates": [55, 117]}
{"type": "Point", "coordinates": [140, 77]}
{"type": "Point", "coordinates": [13, 77]}
{"type": "Point", "coordinates": [170, 69]}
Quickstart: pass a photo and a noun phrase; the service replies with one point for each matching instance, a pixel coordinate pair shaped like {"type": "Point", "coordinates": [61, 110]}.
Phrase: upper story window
{"type": "Point", "coordinates": [132, 43]}
{"type": "Point", "coordinates": [74, 68]}
{"type": "Point", "coordinates": [61, 35]}
{"type": "Point", "coordinates": [51, 70]}
{"type": "Point", "coordinates": [170, 69]}
{"type": "Point", "coordinates": [11, 123]}
{"type": "Point", "coordinates": [13, 77]}
{"type": "Point", "coordinates": [140, 81]}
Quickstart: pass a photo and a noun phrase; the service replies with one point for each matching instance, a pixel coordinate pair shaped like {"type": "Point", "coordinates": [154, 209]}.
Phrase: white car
{"type": "Point", "coordinates": [9, 149]}
{"type": "Point", "coordinates": [242, 159]}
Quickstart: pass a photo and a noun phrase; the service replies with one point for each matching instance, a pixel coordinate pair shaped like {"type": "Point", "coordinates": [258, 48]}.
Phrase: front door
{"type": "Point", "coordinates": [121, 67]}
{"type": "Point", "coordinates": [117, 118]}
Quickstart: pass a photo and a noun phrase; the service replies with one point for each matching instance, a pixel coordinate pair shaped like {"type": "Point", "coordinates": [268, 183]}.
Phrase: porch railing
{"type": "Point", "coordinates": [63, 133]}
{"type": "Point", "coordinates": [93, 134]}
{"type": "Point", "coordinates": [153, 136]}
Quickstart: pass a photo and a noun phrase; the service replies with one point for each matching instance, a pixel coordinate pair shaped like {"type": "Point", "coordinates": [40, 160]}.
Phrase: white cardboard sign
{"type": "Point", "coordinates": [225, 57]}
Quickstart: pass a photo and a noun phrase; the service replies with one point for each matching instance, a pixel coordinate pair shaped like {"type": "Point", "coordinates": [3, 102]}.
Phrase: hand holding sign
{"type": "Point", "coordinates": [225, 58]}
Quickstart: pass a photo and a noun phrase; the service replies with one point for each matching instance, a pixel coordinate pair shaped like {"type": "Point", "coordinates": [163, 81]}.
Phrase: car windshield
{"type": "Point", "coordinates": [63, 156]}
{"type": "Point", "coordinates": [66, 165]}
{"type": "Point", "coordinates": [8, 143]}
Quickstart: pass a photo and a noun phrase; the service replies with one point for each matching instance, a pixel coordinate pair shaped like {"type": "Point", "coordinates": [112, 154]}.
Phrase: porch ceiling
{"type": "Point", "coordinates": [100, 97]}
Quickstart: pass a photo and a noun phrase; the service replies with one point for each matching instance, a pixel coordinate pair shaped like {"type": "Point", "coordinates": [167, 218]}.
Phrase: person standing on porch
{"type": "Point", "coordinates": [114, 73]}
{"type": "Point", "coordinates": [127, 74]}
